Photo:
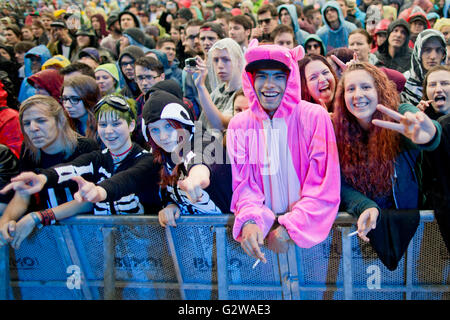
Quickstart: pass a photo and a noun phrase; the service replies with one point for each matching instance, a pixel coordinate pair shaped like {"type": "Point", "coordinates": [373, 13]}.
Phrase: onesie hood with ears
{"type": "Point", "coordinates": [281, 56]}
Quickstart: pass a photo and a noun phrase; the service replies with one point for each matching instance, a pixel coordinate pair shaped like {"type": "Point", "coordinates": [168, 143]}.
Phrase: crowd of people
{"type": "Point", "coordinates": [281, 112]}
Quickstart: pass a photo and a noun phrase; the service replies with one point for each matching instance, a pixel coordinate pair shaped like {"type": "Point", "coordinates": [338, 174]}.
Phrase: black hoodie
{"type": "Point", "coordinates": [131, 89]}
{"type": "Point", "coordinates": [204, 149]}
{"type": "Point", "coordinates": [402, 59]}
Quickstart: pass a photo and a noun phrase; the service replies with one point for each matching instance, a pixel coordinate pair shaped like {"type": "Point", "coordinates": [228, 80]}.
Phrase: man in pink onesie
{"type": "Point", "coordinates": [285, 165]}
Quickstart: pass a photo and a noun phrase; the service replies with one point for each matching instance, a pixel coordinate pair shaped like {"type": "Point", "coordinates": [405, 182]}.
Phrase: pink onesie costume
{"type": "Point", "coordinates": [287, 166]}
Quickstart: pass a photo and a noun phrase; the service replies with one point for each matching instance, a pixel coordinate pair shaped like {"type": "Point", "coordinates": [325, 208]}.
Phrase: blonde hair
{"type": "Point", "coordinates": [52, 108]}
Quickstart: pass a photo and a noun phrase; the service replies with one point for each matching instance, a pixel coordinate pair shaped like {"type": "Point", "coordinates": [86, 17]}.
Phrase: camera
{"type": "Point", "coordinates": [190, 62]}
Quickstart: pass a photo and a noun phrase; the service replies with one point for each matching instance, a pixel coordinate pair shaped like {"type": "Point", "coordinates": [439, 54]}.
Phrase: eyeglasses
{"type": "Point", "coordinates": [313, 46]}
{"type": "Point", "coordinates": [127, 63]}
{"type": "Point", "coordinates": [265, 21]}
{"type": "Point", "coordinates": [116, 102]}
{"type": "Point", "coordinates": [192, 37]}
{"type": "Point", "coordinates": [141, 78]}
{"type": "Point", "coordinates": [72, 99]}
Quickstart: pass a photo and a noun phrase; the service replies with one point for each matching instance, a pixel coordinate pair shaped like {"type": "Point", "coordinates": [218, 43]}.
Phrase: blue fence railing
{"type": "Point", "coordinates": [133, 257]}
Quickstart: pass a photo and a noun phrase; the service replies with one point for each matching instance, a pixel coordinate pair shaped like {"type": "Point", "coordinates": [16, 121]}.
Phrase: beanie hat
{"type": "Point", "coordinates": [110, 68]}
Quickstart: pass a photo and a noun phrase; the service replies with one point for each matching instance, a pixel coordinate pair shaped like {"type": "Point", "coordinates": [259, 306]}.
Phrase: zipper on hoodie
{"type": "Point", "coordinates": [394, 180]}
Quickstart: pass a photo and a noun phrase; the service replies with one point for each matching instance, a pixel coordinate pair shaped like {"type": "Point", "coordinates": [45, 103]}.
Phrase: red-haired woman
{"type": "Point", "coordinates": [99, 25]}
{"type": "Point", "coordinates": [318, 80]}
{"type": "Point", "coordinates": [378, 158]}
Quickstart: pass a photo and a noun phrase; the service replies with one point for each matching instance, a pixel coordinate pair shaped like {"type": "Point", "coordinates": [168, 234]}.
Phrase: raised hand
{"type": "Point", "coordinates": [424, 104]}
{"type": "Point", "coordinates": [343, 66]}
{"type": "Point", "coordinates": [168, 215]}
{"type": "Point", "coordinates": [199, 72]}
{"type": "Point", "coordinates": [88, 191]}
{"type": "Point", "coordinates": [417, 127]}
{"type": "Point", "coordinates": [26, 183]}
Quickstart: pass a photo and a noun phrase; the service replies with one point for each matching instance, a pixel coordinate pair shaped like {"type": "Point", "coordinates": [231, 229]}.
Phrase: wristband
{"type": "Point", "coordinates": [48, 217]}
{"type": "Point", "coordinates": [37, 221]}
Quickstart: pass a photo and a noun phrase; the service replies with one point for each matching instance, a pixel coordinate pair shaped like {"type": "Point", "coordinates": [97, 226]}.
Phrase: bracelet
{"type": "Point", "coordinates": [48, 217]}
{"type": "Point", "coordinates": [37, 221]}
{"type": "Point", "coordinates": [248, 222]}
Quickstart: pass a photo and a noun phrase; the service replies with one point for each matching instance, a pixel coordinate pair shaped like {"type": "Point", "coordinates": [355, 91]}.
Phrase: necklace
{"type": "Point", "coordinates": [116, 157]}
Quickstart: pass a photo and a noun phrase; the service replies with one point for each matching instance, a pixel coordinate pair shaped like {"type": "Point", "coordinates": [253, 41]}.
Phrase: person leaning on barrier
{"type": "Point", "coordinates": [283, 156]}
{"type": "Point", "coordinates": [131, 166]}
{"type": "Point", "coordinates": [380, 160]}
{"type": "Point", "coordinates": [195, 178]}
{"type": "Point", "coordinates": [48, 141]}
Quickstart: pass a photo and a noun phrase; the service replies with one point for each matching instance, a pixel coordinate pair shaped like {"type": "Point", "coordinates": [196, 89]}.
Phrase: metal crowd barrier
{"type": "Point", "coordinates": [132, 257]}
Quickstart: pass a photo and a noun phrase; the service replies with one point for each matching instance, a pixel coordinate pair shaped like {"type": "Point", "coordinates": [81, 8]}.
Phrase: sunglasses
{"type": "Point", "coordinates": [127, 63]}
{"type": "Point", "coordinates": [265, 21]}
{"type": "Point", "coordinates": [313, 46]}
{"type": "Point", "coordinates": [116, 102]}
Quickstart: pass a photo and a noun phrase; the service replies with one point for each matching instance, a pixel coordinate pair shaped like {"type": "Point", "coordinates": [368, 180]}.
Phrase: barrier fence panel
{"type": "Point", "coordinates": [133, 257]}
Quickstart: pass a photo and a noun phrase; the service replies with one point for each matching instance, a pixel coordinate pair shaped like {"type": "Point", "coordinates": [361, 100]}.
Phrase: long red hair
{"type": "Point", "coordinates": [367, 157]}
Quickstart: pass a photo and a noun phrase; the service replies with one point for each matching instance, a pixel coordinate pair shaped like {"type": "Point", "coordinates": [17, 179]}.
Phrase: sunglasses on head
{"type": "Point", "coordinates": [115, 102]}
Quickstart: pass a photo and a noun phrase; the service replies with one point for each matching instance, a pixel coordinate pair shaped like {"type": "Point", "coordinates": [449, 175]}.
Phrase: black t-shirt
{"type": "Point", "coordinates": [216, 198]}
{"type": "Point", "coordinates": [52, 197]}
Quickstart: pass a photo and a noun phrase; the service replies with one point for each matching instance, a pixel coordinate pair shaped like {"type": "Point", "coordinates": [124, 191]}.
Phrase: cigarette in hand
{"type": "Point", "coordinates": [256, 263]}
{"type": "Point", "coordinates": [352, 234]}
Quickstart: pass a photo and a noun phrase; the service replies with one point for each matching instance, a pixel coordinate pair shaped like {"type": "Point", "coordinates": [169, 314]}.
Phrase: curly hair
{"type": "Point", "coordinates": [367, 158]}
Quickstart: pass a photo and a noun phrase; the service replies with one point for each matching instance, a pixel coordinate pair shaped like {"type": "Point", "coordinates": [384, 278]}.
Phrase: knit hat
{"type": "Point", "coordinates": [58, 60]}
{"type": "Point", "coordinates": [90, 53]}
{"type": "Point", "coordinates": [111, 69]}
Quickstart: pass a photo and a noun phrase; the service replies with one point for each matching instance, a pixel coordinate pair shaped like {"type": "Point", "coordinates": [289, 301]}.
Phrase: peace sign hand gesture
{"type": "Point", "coordinates": [417, 127]}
